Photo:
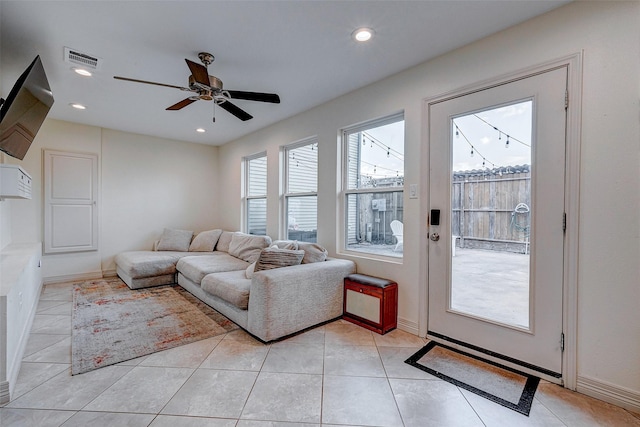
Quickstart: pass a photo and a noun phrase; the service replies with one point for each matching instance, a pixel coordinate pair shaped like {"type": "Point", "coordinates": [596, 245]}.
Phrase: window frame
{"type": "Point", "coordinates": [286, 194]}
{"type": "Point", "coordinates": [346, 192]}
{"type": "Point", "coordinates": [247, 193]}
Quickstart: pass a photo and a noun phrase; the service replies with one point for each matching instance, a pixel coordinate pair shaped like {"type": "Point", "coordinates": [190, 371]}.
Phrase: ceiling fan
{"type": "Point", "coordinates": [209, 88]}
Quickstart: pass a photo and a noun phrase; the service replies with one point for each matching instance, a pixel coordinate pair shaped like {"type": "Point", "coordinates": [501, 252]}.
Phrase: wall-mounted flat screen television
{"type": "Point", "coordinates": [24, 110]}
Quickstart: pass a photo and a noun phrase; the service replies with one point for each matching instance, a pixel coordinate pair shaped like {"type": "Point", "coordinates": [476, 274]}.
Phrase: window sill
{"type": "Point", "coordinates": [369, 256]}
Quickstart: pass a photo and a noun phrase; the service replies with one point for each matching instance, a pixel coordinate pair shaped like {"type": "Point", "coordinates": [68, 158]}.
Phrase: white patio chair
{"type": "Point", "coordinates": [397, 228]}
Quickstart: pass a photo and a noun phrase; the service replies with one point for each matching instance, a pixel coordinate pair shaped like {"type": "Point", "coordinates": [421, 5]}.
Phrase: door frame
{"type": "Point", "coordinates": [572, 199]}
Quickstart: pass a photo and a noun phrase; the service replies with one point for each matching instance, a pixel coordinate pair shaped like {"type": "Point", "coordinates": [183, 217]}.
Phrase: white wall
{"type": "Point", "coordinates": [146, 184]}
{"type": "Point", "coordinates": [149, 184]}
{"type": "Point", "coordinates": [27, 215]}
{"type": "Point", "coordinates": [608, 34]}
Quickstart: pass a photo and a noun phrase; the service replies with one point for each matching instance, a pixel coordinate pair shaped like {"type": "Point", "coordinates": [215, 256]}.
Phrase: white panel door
{"type": "Point", "coordinates": [70, 202]}
{"type": "Point", "coordinates": [500, 292]}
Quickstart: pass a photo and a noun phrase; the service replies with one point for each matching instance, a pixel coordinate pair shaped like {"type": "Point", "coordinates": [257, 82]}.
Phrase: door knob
{"type": "Point", "coordinates": [435, 237]}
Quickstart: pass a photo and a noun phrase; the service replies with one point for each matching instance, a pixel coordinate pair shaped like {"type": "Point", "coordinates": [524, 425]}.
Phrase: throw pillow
{"type": "Point", "coordinates": [247, 247]}
{"type": "Point", "coordinates": [271, 258]}
{"type": "Point", "coordinates": [205, 241]}
{"type": "Point", "coordinates": [249, 271]}
{"type": "Point", "coordinates": [313, 252]}
{"type": "Point", "coordinates": [287, 244]}
{"type": "Point", "coordinates": [175, 240]}
{"type": "Point", "coordinates": [224, 241]}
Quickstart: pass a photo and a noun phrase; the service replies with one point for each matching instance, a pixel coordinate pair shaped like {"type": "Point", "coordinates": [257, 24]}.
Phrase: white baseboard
{"type": "Point", "coordinates": [109, 273]}
{"type": "Point", "coordinates": [408, 326]}
{"type": "Point", "coordinates": [73, 277]}
{"type": "Point", "coordinates": [619, 396]}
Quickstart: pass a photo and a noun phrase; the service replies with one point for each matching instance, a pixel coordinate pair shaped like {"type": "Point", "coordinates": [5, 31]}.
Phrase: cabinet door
{"type": "Point", "coordinates": [363, 304]}
{"type": "Point", "coordinates": [70, 202]}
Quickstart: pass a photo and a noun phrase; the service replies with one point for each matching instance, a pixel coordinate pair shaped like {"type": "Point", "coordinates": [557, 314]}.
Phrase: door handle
{"type": "Point", "coordinates": [435, 237]}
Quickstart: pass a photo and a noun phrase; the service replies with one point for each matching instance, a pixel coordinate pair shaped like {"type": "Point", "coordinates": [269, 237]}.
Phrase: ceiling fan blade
{"type": "Point", "coordinates": [255, 96]}
{"type": "Point", "coordinates": [181, 104]}
{"type": "Point", "coordinates": [236, 111]}
{"type": "Point", "coordinates": [150, 83]}
{"type": "Point", "coordinates": [199, 72]}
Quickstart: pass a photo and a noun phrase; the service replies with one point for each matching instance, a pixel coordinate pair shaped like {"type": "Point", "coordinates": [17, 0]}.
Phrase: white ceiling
{"type": "Point", "coordinates": [301, 50]}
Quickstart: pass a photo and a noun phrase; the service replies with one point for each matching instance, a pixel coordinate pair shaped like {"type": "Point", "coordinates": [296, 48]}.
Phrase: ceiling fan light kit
{"type": "Point", "coordinates": [210, 88]}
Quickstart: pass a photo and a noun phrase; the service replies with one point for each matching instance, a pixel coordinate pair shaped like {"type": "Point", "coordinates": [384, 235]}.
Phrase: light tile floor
{"type": "Point", "coordinates": [337, 374]}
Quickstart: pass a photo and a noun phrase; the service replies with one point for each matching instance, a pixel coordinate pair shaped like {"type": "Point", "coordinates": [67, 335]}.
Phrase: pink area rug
{"type": "Point", "coordinates": [112, 323]}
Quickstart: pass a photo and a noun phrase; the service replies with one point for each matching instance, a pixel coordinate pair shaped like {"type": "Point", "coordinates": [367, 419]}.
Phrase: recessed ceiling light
{"type": "Point", "coordinates": [362, 34]}
{"type": "Point", "coordinates": [83, 72]}
{"type": "Point", "coordinates": [78, 106]}
{"type": "Point", "coordinates": [200, 130]}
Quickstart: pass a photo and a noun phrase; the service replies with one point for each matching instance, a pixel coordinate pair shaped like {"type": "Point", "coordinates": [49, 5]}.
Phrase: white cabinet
{"type": "Point", "coordinates": [20, 286]}
{"type": "Point", "coordinates": [14, 182]}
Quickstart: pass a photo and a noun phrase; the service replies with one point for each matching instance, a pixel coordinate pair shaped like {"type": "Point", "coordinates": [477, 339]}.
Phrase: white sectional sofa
{"type": "Point", "coordinates": [270, 289]}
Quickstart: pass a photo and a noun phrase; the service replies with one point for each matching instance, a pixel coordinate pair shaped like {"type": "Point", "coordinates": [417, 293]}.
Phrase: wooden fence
{"type": "Point", "coordinates": [490, 210]}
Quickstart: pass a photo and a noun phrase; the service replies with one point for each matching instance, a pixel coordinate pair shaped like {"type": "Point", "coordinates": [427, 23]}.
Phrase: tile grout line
{"type": "Point", "coordinates": [23, 361]}
{"type": "Point", "coordinates": [386, 375]}
{"type": "Point", "coordinates": [471, 406]}
{"type": "Point", "coordinates": [187, 380]}
{"type": "Point", "coordinates": [42, 349]}
{"type": "Point", "coordinates": [43, 382]}
{"type": "Point", "coordinates": [244, 405]}
{"type": "Point", "coordinates": [324, 355]}
{"type": "Point", "coordinates": [549, 409]}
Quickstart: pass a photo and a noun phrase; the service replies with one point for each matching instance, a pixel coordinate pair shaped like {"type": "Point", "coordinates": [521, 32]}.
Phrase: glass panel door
{"type": "Point", "coordinates": [495, 252]}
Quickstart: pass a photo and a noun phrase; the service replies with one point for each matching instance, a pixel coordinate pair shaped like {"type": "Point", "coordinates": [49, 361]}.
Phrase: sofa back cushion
{"type": "Point", "coordinates": [196, 267]}
{"type": "Point", "coordinates": [224, 241]}
{"type": "Point", "coordinates": [247, 247]}
{"type": "Point", "coordinates": [271, 258]}
{"type": "Point", "coordinates": [205, 241]}
{"type": "Point", "coordinates": [313, 252]}
{"type": "Point", "coordinates": [175, 240]}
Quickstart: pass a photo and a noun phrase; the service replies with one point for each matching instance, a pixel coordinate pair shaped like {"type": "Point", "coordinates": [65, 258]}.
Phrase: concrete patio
{"type": "Point", "coordinates": [492, 285]}
{"type": "Point", "coordinates": [487, 284]}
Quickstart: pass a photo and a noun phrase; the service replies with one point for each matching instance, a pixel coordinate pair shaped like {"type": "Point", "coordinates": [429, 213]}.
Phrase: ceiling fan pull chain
{"type": "Point", "coordinates": [214, 112]}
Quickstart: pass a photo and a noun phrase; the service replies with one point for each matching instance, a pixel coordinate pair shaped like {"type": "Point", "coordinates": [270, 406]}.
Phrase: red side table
{"type": "Point", "coordinates": [371, 302]}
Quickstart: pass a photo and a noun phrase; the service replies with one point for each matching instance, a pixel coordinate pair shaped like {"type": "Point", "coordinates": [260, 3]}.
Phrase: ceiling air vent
{"type": "Point", "coordinates": [74, 56]}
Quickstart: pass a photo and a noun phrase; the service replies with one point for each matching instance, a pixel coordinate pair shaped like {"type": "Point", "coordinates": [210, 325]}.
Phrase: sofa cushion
{"type": "Point", "coordinates": [224, 241]}
{"type": "Point", "coordinates": [249, 271]}
{"type": "Point", "coordinates": [205, 241]}
{"type": "Point", "coordinates": [175, 240]}
{"type": "Point", "coordinates": [231, 286]}
{"type": "Point", "coordinates": [275, 258]}
{"type": "Point", "coordinates": [313, 252]}
{"type": "Point", "coordinates": [139, 264]}
{"type": "Point", "coordinates": [196, 267]}
{"type": "Point", "coordinates": [247, 247]}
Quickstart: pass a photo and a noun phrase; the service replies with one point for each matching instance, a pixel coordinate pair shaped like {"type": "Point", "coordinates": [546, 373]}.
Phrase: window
{"type": "Point", "coordinates": [256, 194]}
{"type": "Point", "coordinates": [301, 190]}
{"type": "Point", "coordinates": [373, 186]}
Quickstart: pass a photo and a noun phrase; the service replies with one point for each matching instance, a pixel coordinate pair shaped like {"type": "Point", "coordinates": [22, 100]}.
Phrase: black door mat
{"type": "Point", "coordinates": [508, 387]}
